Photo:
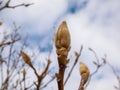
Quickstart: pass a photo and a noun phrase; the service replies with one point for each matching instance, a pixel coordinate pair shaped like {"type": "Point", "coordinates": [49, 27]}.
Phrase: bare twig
{"type": "Point", "coordinates": [75, 62]}
{"type": "Point", "coordinates": [41, 77]}
{"type": "Point", "coordinates": [10, 58]}
{"type": "Point", "coordinates": [97, 64]}
{"type": "Point", "coordinates": [8, 64]}
{"type": "Point", "coordinates": [116, 75]}
{"type": "Point", "coordinates": [8, 43]}
{"type": "Point", "coordinates": [7, 5]}
{"type": "Point", "coordinates": [48, 82]}
{"type": "Point", "coordinates": [97, 59]}
{"type": "Point", "coordinates": [83, 81]}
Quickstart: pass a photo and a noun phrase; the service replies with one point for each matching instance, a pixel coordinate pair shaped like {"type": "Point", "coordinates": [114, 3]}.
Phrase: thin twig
{"type": "Point", "coordinates": [8, 64]}
{"type": "Point", "coordinates": [117, 76]}
{"type": "Point", "coordinates": [8, 43]}
{"type": "Point", "coordinates": [97, 59]}
{"type": "Point", "coordinates": [75, 62]}
{"type": "Point", "coordinates": [41, 77]}
{"type": "Point", "coordinates": [48, 82]}
{"type": "Point", "coordinates": [98, 66]}
{"type": "Point", "coordinates": [7, 5]}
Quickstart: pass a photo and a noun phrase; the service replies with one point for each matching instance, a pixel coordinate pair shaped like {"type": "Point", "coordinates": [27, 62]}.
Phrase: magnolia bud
{"type": "Point", "coordinates": [26, 58]}
{"type": "Point", "coordinates": [62, 38]}
{"type": "Point", "coordinates": [84, 70]}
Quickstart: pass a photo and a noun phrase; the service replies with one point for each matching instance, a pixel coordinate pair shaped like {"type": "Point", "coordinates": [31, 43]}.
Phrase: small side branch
{"type": "Point", "coordinates": [48, 82]}
{"type": "Point", "coordinates": [7, 5]}
{"type": "Point", "coordinates": [75, 62]}
{"type": "Point", "coordinates": [117, 76]}
{"type": "Point", "coordinates": [8, 43]}
{"type": "Point", "coordinates": [97, 64]}
{"type": "Point", "coordinates": [41, 76]}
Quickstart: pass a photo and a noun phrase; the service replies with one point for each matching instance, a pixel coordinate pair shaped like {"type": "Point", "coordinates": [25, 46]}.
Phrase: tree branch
{"type": "Point", "coordinates": [7, 5]}
{"type": "Point", "coordinates": [75, 62]}
{"type": "Point", "coordinates": [98, 66]}
{"type": "Point", "coordinates": [10, 42]}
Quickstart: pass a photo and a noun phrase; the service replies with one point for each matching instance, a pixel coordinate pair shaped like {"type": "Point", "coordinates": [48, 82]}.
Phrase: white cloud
{"type": "Point", "coordinates": [40, 16]}
{"type": "Point", "coordinates": [102, 38]}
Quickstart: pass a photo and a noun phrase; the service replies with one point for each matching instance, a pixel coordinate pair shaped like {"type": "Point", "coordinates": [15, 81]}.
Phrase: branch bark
{"type": "Point", "coordinates": [7, 5]}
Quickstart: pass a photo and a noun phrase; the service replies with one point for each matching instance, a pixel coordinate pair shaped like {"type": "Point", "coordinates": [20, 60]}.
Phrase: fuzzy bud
{"type": "Point", "coordinates": [26, 58]}
{"type": "Point", "coordinates": [84, 71]}
{"type": "Point", "coordinates": [62, 38]}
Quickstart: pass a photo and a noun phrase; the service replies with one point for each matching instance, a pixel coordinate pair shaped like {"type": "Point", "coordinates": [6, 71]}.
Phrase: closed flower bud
{"type": "Point", "coordinates": [62, 38]}
{"type": "Point", "coordinates": [84, 69]}
{"type": "Point", "coordinates": [26, 58]}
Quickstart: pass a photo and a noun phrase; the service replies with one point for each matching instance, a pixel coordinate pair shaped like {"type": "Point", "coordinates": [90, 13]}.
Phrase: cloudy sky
{"type": "Point", "coordinates": [92, 23]}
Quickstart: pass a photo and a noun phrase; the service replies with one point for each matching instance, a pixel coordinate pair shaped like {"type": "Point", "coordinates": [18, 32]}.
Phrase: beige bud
{"type": "Point", "coordinates": [62, 38]}
{"type": "Point", "coordinates": [84, 69]}
{"type": "Point", "coordinates": [26, 58]}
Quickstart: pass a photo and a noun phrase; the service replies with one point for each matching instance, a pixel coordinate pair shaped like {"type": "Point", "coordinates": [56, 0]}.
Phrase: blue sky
{"type": "Point", "coordinates": [92, 23]}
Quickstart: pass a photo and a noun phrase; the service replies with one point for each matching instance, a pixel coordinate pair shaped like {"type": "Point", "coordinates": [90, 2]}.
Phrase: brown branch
{"type": "Point", "coordinates": [41, 76]}
{"type": "Point", "coordinates": [5, 84]}
{"type": "Point", "coordinates": [97, 64]}
{"type": "Point", "coordinates": [25, 5]}
{"type": "Point", "coordinates": [75, 62]}
{"type": "Point", "coordinates": [116, 75]}
{"type": "Point", "coordinates": [46, 69]}
{"type": "Point", "coordinates": [8, 43]}
{"type": "Point", "coordinates": [8, 63]}
{"type": "Point", "coordinates": [62, 61]}
{"type": "Point", "coordinates": [82, 83]}
{"type": "Point", "coordinates": [92, 74]}
{"type": "Point", "coordinates": [90, 49]}
{"type": "Point", "coordinates": [10, 68]}
{"type": "Point", "coordinates": [15, 64]}
{"type": "Point", "coordinates": [7, 5]}
{"type": "Point", "coordinates": [48, 82]}
{"type": "Point", "coordinates": [60, 78]}
{"type": "Point", "coordinates": [44, 73]}
{"type": "Point", "coordinates": [28, 88]}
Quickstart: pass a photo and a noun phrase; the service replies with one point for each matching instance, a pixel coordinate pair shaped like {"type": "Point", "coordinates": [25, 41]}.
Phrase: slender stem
{"type": "Point", "coordinates": [83, 81]}
{"type": "Point", "coordinates": [39, 83]}
{"type": "Point", "coordinates": [8, 43]}
{"type": "Point", "coordinates": [75, 62]}
{"type": "Point", "coordinates": [48, 82]}
{"type": "Point", "coordinates": [41, 76]}
{"type": "Point", "coordinates": [60, 77]}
